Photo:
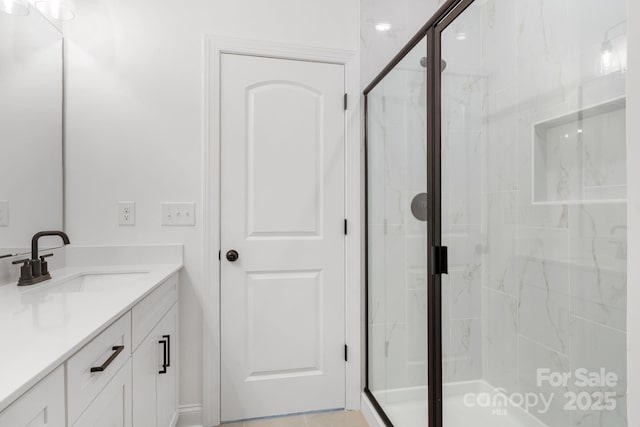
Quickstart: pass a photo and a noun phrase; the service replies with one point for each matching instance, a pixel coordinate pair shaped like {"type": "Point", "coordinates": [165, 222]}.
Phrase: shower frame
{"type": "Point", "coordinates": [432, 31]}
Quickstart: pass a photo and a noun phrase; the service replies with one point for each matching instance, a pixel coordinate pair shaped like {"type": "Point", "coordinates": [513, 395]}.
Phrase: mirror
{"type": "Point", "coordinates": [31, 105]}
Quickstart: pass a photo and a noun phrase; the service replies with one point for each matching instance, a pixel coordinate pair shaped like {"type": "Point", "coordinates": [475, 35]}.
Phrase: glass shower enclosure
{"type": "Point", "coordinates": [496, 219]}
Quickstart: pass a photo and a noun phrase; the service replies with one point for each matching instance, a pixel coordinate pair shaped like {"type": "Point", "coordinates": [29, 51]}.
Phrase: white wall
{"type": "Point", "coordinates": [135, 119]}
{"type": "Point", "coordinates": [633, 180]}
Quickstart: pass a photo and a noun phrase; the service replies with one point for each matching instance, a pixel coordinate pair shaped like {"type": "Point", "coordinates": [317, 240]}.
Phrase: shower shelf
{"type": "Point", "coordinates": [579, 157]}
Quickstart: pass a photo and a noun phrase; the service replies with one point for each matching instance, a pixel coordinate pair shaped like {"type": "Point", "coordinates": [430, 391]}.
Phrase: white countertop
{"type": "Point", "coordinates": [43, 325]}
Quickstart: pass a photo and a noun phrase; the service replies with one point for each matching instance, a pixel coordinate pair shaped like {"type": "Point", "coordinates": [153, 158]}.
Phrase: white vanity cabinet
{"type": "Point", "coordinates": [168, 382]}
{"type": "Point", "coordinates": [155, 363]}
{"type": "Point", "coordinates": [126, 376]}
{"type": "Point", "coordinates": [112, 407]}
{"type": "Point", "coordinates": [155, 375]}
{"type": "Point", "coordinates": [93, 368]}
{"type": "Point", "coordinates": [42, 406]}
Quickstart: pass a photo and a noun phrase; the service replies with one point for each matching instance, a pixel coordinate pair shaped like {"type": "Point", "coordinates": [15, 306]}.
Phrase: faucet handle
{"type": "Point", "coordinates": [26, 275]}
{"type": "Point", "coordinates": [44, 265]}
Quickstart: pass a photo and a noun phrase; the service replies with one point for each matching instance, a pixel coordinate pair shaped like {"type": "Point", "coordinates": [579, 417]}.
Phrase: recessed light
{"type": "Point", "coordinates": [383, 26]}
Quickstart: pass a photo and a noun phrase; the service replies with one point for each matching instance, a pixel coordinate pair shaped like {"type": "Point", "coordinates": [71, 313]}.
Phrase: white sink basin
{"type": "Point", "coordinates": [47, 303]}
{"type": "Point", "coordinates": [97, 281]}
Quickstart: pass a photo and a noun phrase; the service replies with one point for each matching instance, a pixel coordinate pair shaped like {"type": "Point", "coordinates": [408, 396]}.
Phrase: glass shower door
{"type": "Point", "coordinates": [533, 176]}
{"type": "Point", "coordinates": [397, 242]}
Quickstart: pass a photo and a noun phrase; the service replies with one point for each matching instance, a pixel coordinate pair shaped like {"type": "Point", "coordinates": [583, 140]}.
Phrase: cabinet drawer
{"type": "Point", "coordinates": [148, 312]}
{"type": "Point", "coordinates": [104, 352]}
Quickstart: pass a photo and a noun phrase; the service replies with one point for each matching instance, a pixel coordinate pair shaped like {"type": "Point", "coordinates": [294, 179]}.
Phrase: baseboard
{"type": "Point", "coordinates": [369, 412]}
{"type": "Point", "coordinates": [190, 416]}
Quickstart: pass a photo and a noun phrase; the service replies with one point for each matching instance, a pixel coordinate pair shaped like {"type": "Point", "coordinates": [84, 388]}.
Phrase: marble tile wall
{"type": "Point", "coordinates": [553, 274]}
{"type": "Point", "coordinates": [462, 127]}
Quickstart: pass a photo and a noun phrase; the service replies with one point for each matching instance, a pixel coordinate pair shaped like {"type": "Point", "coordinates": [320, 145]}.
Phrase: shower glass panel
{"type": "Point", "coordinates": [534, 214]}
{"type": "Point", "coordinates": [397, 241]}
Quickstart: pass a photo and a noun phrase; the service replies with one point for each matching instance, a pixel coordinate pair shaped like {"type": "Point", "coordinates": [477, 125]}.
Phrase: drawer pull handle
{"type": "Point", "coordinates": [116, 351]}
{"type": "Point", "coordinates": [168, 338]}
{"type": "Point", "coordinates": [163, 341]}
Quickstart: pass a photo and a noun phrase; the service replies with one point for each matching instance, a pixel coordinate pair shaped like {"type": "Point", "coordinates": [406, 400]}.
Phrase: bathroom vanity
{"type": "Point", "coordinates": [94, 346]}
{"type": "Point", "coordinates": [93, 343]}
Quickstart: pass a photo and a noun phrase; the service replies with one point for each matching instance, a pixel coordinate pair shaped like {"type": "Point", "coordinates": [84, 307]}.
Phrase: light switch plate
{"type": "Point", "coordinates": [127, 213]}
{"type": "Point", "coordinates": [4, 213]}
{"type": "Point", "coordinates": [183, 214]}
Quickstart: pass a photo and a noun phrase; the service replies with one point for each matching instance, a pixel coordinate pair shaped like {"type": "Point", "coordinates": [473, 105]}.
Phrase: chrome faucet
{"type": "Point", "coordinates": [36, 269]}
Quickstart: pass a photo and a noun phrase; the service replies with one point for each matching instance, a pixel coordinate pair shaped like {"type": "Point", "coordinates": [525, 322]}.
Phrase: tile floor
{"type": "Point", "coordinates": [322, 419]}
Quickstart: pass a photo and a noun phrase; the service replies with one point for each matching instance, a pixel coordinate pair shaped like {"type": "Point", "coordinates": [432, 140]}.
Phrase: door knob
{"type": "Point", "coordinates": [232, 255]}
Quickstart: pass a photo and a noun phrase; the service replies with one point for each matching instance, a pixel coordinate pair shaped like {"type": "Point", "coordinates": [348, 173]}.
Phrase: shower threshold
{"type": "Point", "coordinates": [408, 407]}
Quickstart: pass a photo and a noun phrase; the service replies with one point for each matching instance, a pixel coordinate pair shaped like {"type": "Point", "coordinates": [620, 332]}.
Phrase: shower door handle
{"type": "Point", "coordinates": [440, 260]}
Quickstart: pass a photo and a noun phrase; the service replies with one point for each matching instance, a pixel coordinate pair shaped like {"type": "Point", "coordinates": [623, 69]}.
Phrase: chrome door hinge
{"type": "Point", "coordinates": [440, 261]}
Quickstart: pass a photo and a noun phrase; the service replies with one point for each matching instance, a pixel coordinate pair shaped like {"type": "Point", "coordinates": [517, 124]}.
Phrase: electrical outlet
{"type": "Point", "coordinates": [4, 213]}
{"type": "Point", "coordinates": [178, 213]}
{"type": "Point", "coordinates": [127, 213]}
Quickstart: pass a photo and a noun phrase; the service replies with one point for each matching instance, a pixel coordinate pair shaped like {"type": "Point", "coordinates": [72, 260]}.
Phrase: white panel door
{"type": "Point", "coordinates": [282, 210]}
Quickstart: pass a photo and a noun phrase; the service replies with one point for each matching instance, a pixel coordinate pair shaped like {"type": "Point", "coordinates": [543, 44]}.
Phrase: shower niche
{"type": "Point", "coordinates": [580, 157]}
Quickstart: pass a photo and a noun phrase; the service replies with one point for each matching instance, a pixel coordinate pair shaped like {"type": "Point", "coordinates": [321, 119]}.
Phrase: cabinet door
{"type": "Point", "coordinates": [168, 382]}
{"type": "Point", "coordinates": [146, 360]}
{"type": "Point", "coordinates": [112, 407]}
{"type": "Point", "coordinates": [42, 406]}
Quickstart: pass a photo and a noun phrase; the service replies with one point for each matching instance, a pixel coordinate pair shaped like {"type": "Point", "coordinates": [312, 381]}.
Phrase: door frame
{"type": "Point", "coordinates": [215, 46]}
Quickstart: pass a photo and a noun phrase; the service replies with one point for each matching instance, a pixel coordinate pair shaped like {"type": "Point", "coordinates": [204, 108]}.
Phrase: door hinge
{"type": "Point", "coordinates": [346, 227]}
{"type": "Point", "coordinates": [440, 260]}
{"type": "Point", "coordinates": [346, 353]}
{"type": "Point", "coordinates": [219, 255]}
{"type": "Point", "coordinates": [345, 102]}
